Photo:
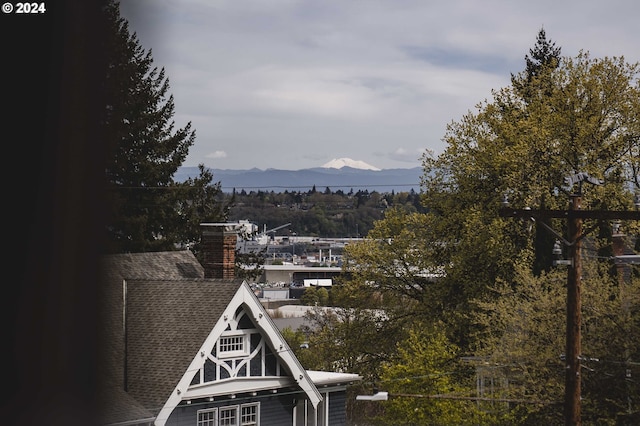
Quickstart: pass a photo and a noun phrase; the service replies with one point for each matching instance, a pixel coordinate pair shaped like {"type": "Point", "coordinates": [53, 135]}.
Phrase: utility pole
{"type": "Point", "coordinates": [574, 318]}
{"type": "Point", "coordinates": [575, 216]}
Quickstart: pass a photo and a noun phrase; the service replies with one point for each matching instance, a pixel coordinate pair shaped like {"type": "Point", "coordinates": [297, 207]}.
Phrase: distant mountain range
{"type": "Point", "coordinates": [344, 178]}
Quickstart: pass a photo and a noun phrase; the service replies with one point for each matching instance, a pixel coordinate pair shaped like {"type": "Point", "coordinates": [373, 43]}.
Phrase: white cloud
{"type": "Point", "coordinates": [217, 154]}
{"type": "Point", "coordinates": [412, 156]}
{"type": "Point", "coordinates": [294, 83]}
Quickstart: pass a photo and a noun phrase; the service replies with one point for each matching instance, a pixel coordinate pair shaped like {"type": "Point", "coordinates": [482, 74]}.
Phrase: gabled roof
{"type": "Point", "coordinates": [244, 298]}
{"type": "Point", "coordinates": [166, 265]}
{"type": "Point", "coordinates": [167, 322]}
{"type": "Point", "coordinates": [158, 296]}
{"type": "Point", "coordinates": [118, 407]}
{"type": "Point", "coordinates": [159, 313]}
{"type": "Point", "coordinates": [116, 270]}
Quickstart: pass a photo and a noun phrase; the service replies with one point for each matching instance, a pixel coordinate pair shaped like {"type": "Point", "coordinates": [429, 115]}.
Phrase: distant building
{"type": "Point", "coordinates": [297, 274]}
{"type": "Point", "coordinates": [188, 344]}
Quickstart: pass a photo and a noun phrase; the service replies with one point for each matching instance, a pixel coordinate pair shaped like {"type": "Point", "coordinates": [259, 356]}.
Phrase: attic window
{"type": "Point", "coordinates": [234, 345]}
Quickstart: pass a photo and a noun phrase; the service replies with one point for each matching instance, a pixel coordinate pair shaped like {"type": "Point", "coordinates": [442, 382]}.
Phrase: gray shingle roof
{"type": "Point", "coordinates": [117, 406]}
{"type": "Point", "coordinates": [167, 265]}
{"type": "Point", "coordinates": [169, 309]}
{"type": "Point", "coordinates": [167, 322]}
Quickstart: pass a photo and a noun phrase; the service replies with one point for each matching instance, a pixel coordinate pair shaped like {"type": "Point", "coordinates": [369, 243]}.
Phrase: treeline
{"type": "Point", "coordinates": [323, 214]}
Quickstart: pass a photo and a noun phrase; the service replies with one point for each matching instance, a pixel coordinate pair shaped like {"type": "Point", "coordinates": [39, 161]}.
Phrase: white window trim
{"type": "Point", "coordinates": [200, 422]}
{"type": "Point", "coordinates": [238, 410]}
{"type": "Point", "coordinates": [252, 404]}
{"type": "Point", "coordinates": [233, 354]}
{"type": "Point", "coordinates": [235, 408]}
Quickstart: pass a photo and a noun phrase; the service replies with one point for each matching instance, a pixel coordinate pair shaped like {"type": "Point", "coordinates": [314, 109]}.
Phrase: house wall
{"type": "Point", "coordinates": [337, 408]}
{"type": "Point", "coordinates": [336, 415]}
{"type": "Point", "coordinates": [276, 410]}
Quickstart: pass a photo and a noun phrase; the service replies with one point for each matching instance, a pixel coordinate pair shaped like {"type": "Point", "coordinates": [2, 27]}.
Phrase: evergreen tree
{"type": "Point", "coordinates": [196, 200]}
{"type": "Point", "coordinates": [543, 57]}
{"type": "Point", "coordinates": [145, 148]}
{"type": "Point", "coordinates": [544, 53]}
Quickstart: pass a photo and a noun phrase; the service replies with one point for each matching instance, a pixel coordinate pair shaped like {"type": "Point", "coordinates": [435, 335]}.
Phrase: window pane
{"type": "Point", "coordinates": [208, 417]}
{"type": "Point", "coordinates": [231, 344]}
{"type": "Point", "coordinates": [249, 415]}
{"type": "Point", "coordinates": [229, 416]}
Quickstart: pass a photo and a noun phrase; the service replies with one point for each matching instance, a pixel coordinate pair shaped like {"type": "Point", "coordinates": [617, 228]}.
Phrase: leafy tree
{"type": "Point", "coordinates": [520, 343]}
{"type": "Point", "coordinates": [340, 339]}
{"type": "Point", "coordinates": [323, 296]}
{"type": "Point", "coordinates": [399, 259]}
{"type": "Point", "coordinates": [526, 149]}
{"type": "Point", "coordinates": [611, 348]}
{"type": "Point", "coordinates": [315, 296]}
{"type": "Point", "coordinates": [581, 119]}
{"type": "Point", "coordinates": [309, 297]}
{"type": "Point", "coordinates": [148, 210]}
{"type": "Point", "coordinates": [577, 115]}
{"type": "Point", "coordinates": [295, 339]}
{"type": "Point", "coordinates": [523, 339]}
{"type": "Point", "coordinates": [423, 384]}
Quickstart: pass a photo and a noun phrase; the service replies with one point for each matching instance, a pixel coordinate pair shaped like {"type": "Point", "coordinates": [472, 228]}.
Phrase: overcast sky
{"type": "Point", "coordinates": [293, 84]}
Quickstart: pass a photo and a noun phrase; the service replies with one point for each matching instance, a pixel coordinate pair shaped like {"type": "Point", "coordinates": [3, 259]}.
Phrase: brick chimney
{"type": "Point", "coordinates": [218, 246]}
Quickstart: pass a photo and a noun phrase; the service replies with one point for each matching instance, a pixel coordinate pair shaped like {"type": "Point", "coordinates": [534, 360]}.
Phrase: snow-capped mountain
{"type": "Point", "coordinates": [338, 163]}
{"type": "Point", "coordinates": [344, 178]}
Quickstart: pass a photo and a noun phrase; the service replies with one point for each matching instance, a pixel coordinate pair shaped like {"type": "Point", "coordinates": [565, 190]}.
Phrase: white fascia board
{"type": "Point", "coordinates": [245, 296]}
{"type": "Point", "coordinates": [237, 385]}
{"type": "Point", "coordinates": [177, 395]}
{"type": "Point", "coordinates": [320, 378]}
{"type": "Point", "coordinates": [279, 344]}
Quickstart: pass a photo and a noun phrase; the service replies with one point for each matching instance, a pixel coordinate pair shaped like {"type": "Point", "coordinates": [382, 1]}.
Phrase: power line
{"type": "Point", "coordinates": [323, 185]}
{"type": "Point", "coordinates": [173, 187]}
{"type": "Point", "coordinates": [476, 398]}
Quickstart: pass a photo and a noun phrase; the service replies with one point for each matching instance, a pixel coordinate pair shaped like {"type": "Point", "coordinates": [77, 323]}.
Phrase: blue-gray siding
{"type": "Point", "coordinates": [276, 410]}
{"type": "Point", "coordinates": [337, 408]}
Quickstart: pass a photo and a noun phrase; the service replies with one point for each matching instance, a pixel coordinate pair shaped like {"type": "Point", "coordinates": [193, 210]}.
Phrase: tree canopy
{"type": "Point", "coordinates": [488, 282]}
{"type": "Point", "coordinates": [585, 120]}
{"type": "Point", "coordinates": [149, 211]}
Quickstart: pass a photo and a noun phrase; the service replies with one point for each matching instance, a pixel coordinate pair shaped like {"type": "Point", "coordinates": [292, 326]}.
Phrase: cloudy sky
{"type": "Point", "coordinates": [292, 84]}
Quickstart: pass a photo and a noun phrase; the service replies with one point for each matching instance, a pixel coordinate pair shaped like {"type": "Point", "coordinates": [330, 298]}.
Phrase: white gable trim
{"type": "Point", "coordinates": [237, 385]}
{"type": "Point", "coordinates": [243, 297]}
{"type": "Point", "coordinates": [281, 346]}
